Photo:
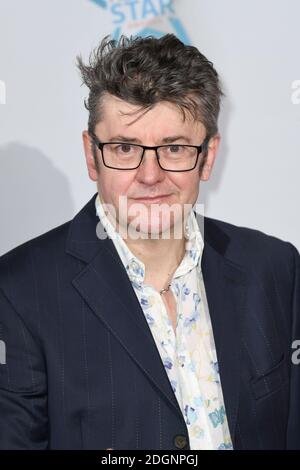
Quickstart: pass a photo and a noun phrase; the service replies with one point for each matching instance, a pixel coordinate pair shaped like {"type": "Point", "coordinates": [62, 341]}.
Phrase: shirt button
{"type": "Point", "coordinates": [180, 441]}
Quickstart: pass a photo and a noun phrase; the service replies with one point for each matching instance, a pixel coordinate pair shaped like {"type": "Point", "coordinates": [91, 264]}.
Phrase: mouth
{"type": "Point", "coordinates": [152, 200]}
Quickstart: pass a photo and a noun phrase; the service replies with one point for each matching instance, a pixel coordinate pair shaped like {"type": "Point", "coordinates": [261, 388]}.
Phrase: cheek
{"type": "Point", "coordinates": [187, 185]}
{"type": "Point", "coordinates": [112, 184]}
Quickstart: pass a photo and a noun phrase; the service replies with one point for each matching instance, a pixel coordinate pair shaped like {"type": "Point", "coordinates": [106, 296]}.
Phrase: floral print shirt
{"type": "Point", "coordinates": [189, 356]}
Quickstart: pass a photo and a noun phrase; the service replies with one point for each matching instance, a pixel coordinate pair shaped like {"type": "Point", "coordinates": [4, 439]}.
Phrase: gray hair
{"type": "Point", "coordinates": [146, 70]}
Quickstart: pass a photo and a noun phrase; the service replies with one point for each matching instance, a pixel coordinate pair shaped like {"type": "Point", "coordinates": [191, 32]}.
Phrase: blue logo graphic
{"type": "Point", "coordinates": [143, 18]}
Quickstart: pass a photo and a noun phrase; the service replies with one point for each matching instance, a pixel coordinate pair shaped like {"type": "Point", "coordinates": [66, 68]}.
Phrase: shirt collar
{"type": "Point", "coordinates": [134, 266]}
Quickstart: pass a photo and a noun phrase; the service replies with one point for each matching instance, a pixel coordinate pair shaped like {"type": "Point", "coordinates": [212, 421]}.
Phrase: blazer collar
{"type": "Point", "coordinates": [105, 286]}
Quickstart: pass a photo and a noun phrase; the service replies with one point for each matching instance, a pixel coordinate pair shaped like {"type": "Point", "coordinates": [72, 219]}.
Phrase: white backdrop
{"type": "Point", "coordinates": [253, 44]}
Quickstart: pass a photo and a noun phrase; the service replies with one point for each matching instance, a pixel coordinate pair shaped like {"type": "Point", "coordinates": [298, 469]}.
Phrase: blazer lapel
{"type": "Point", "coordinates": [225, 291]}
{"type": "Point", "coordinates": [105, 286]}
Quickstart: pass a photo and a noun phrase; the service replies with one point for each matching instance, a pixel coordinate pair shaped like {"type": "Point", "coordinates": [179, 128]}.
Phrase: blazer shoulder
{"type": "Point", "coordinates": [250, 246]}
{"type": "Point", "coordinates": [17, 262]}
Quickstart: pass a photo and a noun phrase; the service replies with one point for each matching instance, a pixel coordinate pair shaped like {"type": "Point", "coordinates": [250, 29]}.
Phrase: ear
{"type": "Point", "coordinates": [209, 158]}
{"type": "Point", "coordinates": [89, 156]}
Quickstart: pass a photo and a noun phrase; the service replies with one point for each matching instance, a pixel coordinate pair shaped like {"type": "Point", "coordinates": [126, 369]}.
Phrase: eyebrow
{"type": "Point", "coordinates": [166, 140]}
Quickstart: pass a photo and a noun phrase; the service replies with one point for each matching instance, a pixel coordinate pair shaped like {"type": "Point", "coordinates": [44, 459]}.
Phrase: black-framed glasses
{"type": "Point", "coordinates": [170, 157]}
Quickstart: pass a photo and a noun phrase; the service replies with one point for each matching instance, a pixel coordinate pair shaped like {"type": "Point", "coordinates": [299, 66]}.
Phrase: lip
{"type": "Point", "coordinates": [159, 198]}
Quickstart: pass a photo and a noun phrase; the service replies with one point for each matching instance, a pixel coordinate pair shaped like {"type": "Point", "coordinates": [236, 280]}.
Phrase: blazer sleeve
{"type": "Point", "coordinates": [293, 429]}
{"type": "Point", "coordinates": [23, 384]}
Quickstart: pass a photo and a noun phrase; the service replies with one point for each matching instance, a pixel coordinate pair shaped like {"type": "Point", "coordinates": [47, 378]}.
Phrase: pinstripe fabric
{"type": "Point", "coordinates": [82, 368]}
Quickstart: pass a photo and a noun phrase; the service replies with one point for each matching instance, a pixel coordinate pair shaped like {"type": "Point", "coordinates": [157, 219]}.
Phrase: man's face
{"type": "Point", "coordinates": [148, 180]}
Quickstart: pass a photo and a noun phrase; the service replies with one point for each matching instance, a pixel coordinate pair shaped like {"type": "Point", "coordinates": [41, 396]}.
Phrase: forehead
{"type": "Point", "coordinates": [164, 118]}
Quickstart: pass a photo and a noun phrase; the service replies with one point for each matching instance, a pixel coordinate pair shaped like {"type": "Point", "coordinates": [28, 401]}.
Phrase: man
{"type": "Point", "coordinates": [141, 324]}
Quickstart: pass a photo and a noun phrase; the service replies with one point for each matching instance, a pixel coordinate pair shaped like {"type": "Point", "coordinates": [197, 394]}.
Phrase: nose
{"type": "Point", "coordinates": [149, 171]}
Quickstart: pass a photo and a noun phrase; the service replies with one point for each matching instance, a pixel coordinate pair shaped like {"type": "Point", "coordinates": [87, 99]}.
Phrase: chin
{"type": "Point", "coordinates": [154, 230]}
{"type": "Point", "coordinates": [145, 224]}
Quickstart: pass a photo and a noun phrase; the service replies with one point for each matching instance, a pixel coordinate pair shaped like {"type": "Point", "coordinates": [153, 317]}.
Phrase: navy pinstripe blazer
{"type": "Point", "coordinates": [82, 370]}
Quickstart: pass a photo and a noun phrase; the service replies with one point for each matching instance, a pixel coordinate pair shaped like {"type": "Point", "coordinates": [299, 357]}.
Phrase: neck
{"type": "Point", "coordinates": [161, 257]}
{"type": "Point", "coordinates": [158, 253]}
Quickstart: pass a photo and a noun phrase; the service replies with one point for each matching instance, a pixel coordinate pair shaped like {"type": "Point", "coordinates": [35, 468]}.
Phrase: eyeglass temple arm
{"type": "Point", "coordinates": [95, 140]}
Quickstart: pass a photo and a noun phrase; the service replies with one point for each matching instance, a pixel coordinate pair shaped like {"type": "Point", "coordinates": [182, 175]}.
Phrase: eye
{"type": "Point", "coordinates": [177, 148]}
{"type": "Point", "coordinates": [127, 148]}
